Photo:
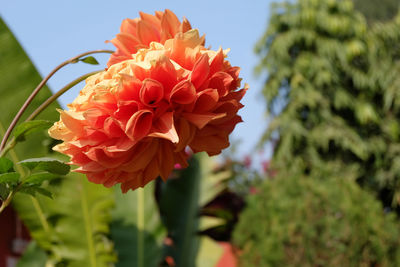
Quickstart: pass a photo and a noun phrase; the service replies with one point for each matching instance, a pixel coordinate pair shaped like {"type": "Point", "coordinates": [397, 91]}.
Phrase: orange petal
{"type": "Point", "coordinates": [186, 133]}
{"type": "Point", "coordinates": [73, 124]}
{"type": "Point", "coordinates": [212, 144]}
{"type": "Point", "coordinates": [129, 26]}
{"type": "Point", "coordinates": [128, 42]}
{"type": "Point", "coordinates": [206, 100]}
{"type": "Point", "coordinates": [125, 110]}
{"type": "Point", "coordinates": [139, 124]}
{"type": "Point", "coordinates": [222, 82]}
{"type": "Point", "coordinates": [183, 93]}
{"type": "Point", "coordinates": [169, 24]}
{"type": "Point", "coordinates": [200, 71]}
{"type": "Point", "coordinates": [112, 128]}
{"type": "Point", "coordinates": [217, 62]}
{"type": "Point", "coordinates": [230, 108]}
{"type": "Point", "coordinates": [147, 33]}
{"type": "Point", "coordinates": [153, 20]}
{"type": "Point", "coordinates": [131, 181]}
{"type": "Point", "coordinates": [164, 72]}
{"type": "Point", "coordinates": [164, 128]}
{"type": "Point", "coordinates": [151, 92]}
{"type": "Point", "coordinates": [142, 155]}
{"type": "Point", "coordinates": [129, 88]}
{"type": "Point", "coordinates": [236, 95]}
{"type": "Point", "coordinates": [185, 26]}
{"type": "Point", "coordinates": [200, 120]}
{"type": "Point", "coordinates": [166, 159]}
{"type": "Point", "coordinates": [95, 117]}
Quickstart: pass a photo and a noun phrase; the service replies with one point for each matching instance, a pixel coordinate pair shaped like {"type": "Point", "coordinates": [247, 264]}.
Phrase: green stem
{"type": "Point", "coordinates": [10, 196]}
{"type": "Point", "coordinates": [6, 202]}
{"type": "Point", "coordinates": [45, 104]}
{"type": "Point", "coordinates": [140, 227]}
{"type": "Point", "coordinates": [52, 98]}
{"type": "Point", "coordinates": [10, 145]}
{"type": "Point", "coordinates": [40, 86]}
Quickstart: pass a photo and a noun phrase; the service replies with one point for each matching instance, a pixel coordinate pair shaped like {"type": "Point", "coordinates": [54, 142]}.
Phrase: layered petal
{"type": "Point", "coordinates": [163, 93]}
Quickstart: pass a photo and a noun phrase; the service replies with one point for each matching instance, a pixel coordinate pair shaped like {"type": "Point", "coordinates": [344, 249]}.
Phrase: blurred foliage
{"type": "Point", "coordinates": [180, 200]}
{"type": "Point", "coordinates": [137, 243]}
{"type": "Point", "coordinates": [377, 10]}
{"type": "Point", "coordinates": [73, 228]}
{"type": "Point", "coordinates": [333, 92]}
{"type": "Point", "coordinates": [306, 222]}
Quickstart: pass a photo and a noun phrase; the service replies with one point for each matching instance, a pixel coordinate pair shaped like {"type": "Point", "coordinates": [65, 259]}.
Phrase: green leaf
{"type": "Point", "coordinates": [46, 164]}
{"type": "Point", "coordinates": [212, 183]}
{"type": "Point", "coordinates": [18, 78]}
{"type": "Point", "coordinates": [33, 256]}
{"type": "Point", "coordinates": [9, 178]}
{"type": "Point", "coordinates": [180, 202]}
{"type": "Point", "coordinates": [75, 224]}
{"type": "Point", "coordinates": [6, 165]}
{"type": "Point", "coordinates": [131, 238]}
{"type": "Point", "coordinates": [39, 178]}
{"type": "Point", "coordinates": [33, 189]}
{"type": "Point", "coordinates": [28, 127]}
{"type": "Point", "coordinates": [84, 211]}
{"type": "Point", "coordinates": [179, 211]}
{"type": "Point", "coordinates": [73, 227]}
{"type": "Point", "coordinates": [89, 60]}
{"type": "Point", "coordinates": [4, 191]}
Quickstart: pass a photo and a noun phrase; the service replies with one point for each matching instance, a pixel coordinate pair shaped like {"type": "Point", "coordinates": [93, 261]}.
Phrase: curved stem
{"type": "Point", "coordinates": [140, 227]}
{"type": "Point", "coordinates": [37, 89]}
{"type": "Point", "coordinates": [45, 104]}
{"type": "Point", "coordinates": [52, 98]}
{"type": "Point", "coordinates": [7, 201]}
{"type": "Point", "coordinates": [10, 196]}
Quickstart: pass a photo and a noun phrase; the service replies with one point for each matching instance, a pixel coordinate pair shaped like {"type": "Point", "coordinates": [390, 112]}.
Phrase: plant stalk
{"type": "Point", "coordinates": [40, 86]}
{"type": "Point", "coordinates": [45, 104]}
{"type": "Point", "coordinates": [140, 227]}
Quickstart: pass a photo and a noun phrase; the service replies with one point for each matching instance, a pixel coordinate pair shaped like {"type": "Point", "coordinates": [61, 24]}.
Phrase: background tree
{"type": "Point", "coordinates": [305, 222]}
{"type": "Point", "coordinates": [381, 10]}
{"type": "Point", "coordinates": [332, 90]}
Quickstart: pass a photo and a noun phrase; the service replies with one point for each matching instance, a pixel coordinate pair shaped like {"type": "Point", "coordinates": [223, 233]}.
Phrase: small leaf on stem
{"type": "Point", "coordinates": [38, 178]}
{"type": "Point", "coordinates": [46, 164]}
{"type": "Point", "coordinates": [32, 190]}
{"type": "Point", "coordinates": [28, 127]}
{"type": "Point", "coordinates": [6, 165]}
{"type": "Point", "coordinates": [89, 60]}
{"type": "Point", "coordinates": [9, 178]}
{"type": "Point", "coordinates": [4, 191]}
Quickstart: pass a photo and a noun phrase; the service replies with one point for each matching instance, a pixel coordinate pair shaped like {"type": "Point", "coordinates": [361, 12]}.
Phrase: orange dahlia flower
{"type": "Point", "coordinates": [132, 122]}
{"type": "Point", "coordinates": [140, 32]}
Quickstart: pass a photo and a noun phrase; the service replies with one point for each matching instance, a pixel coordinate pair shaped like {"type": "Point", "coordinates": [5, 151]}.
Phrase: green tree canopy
{"type": "Point", "coordinates": [305, 222]}
{"type": "Point", "coordinates": [377, 10]}
{"type": "Point", "coordinates": [333, 92]}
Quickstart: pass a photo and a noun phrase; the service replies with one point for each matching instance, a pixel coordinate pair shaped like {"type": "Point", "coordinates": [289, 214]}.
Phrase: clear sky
{"type": "Point", "coordinates": [52, 31]}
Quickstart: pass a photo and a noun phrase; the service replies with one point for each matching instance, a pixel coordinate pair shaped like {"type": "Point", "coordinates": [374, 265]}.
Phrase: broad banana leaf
{"type": "Point", "coordinates": [71, 228]}
{"type": "Point", "coordinates": [180, 203]}
{"type": "Point", "coordinates": [136, 229]}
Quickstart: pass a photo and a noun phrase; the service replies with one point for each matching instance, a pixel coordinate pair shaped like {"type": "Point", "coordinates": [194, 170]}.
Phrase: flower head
{"type": "Point", "coordinates": [140, 32]}
{"type": "Point", "coordinates": [133, 122]}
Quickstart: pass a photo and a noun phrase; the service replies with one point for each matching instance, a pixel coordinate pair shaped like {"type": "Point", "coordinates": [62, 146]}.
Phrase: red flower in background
{"type": "Point", "coordinates": [132, 122]}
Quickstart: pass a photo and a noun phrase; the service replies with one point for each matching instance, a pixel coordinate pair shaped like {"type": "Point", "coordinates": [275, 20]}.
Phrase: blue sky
{"type": "Point", "coordinates": [53, 31]}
